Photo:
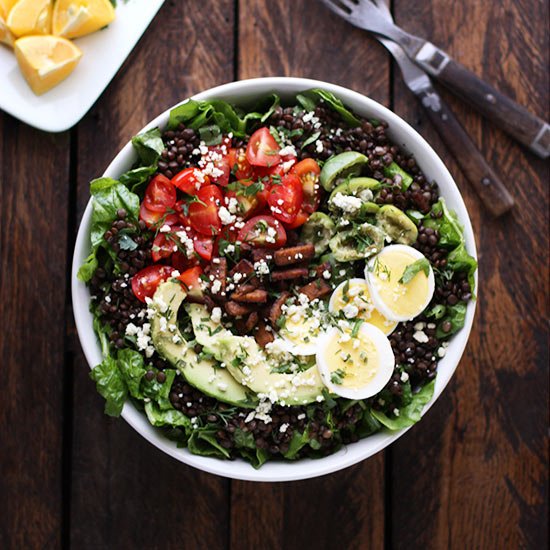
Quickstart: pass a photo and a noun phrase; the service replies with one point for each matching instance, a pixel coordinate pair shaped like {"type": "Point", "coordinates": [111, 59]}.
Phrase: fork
{"type": "Point", "coordinates": [485, 181]}
{"type": "Point", "coordinates": [525, 127]}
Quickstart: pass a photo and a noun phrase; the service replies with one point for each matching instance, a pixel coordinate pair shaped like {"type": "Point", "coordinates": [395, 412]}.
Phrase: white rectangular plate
{"type": "Point", "coordinates": [103, 54]}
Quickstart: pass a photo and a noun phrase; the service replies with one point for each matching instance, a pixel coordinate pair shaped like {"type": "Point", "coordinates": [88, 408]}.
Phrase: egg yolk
{"type": "Point", "coordinates": [352, 362]}
{"type": "Point", "coordinates": [402, 299]}
{"type": "Point", "coordinates": [358, 295]}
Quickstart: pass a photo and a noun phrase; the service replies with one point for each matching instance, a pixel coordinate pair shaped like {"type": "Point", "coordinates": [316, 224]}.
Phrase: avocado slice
{"type": "Point", "coordinates": [357, 244]}
{"type": "Point", "coordinates": [355, 186]}
{"type": "Point", "coordinates": [249, 364]}
{"type": "Point", "coordinates": [396, 224]}
{"type": "Point", "coordinates": [339, 167]}
{"type": "Point", "coordinates": [318, 230]}
{"type": "Point", "coordinates": [204, 374]}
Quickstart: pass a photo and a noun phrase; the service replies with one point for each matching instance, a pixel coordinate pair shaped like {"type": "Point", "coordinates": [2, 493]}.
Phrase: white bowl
{"type": "Point", "coordinates": [244, 92]}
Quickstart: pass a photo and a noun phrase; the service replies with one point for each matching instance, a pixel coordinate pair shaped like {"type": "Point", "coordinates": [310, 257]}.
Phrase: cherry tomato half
{"type": "Point", "coordinates": [229, 234]}
{"type": "Point", "coordinates": [204, 246]}
{"type": "Point", "coordinates": [190, 180]}
{"type": "Point", "coordinates": [203, 214]}
{"type": "Point", "coordinates": [160, 194]}
{"type": "Point", "coordinates": [154, 219]}
{"type": "Point", "coordinates": [263, 231]}
{"type": "Point", "coordinates": [308, 171]}
{"type": "Point", "coordinates": [238, 163]}
{"type": "Point", "coordinates": [146, 281]}
{"type": "Point", "coordinates": [301, 218]}
{"type": "Point", "coordinates": [285, 198]}
{"type": "Point", "coordinates": [191, 280]}
{"type": "Point", "coordinates": [262, 149]}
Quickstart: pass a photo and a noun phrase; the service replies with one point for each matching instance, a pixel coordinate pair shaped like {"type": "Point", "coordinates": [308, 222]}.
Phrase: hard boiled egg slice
{"type": "Point", "coordinates": [358, 367]}
{"type": "Point", "coordinates": [300, 329]}
{"type": "Point", "coordinates": [401, 282]}
{"type": "Point", "coordinates": [353, 298]}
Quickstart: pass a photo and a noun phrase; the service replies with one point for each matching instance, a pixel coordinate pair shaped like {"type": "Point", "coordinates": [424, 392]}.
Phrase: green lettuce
{"type": "Point", "coordinates": [111, 385]}
{"type": "Point", "coordinates": [310, 98]}
{"type": "Point", "coordinates": [203, 442]}
{"type": "Point", "coordinates": [409, 414]}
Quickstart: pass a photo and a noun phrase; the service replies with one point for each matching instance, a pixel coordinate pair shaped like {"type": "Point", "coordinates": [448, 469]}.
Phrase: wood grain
{"type": "Point", "coordinates": [34, 196]}
{"type": "Point", "coordinates": [345, 510]}
{"type": "Point", "coordinates": [126, 493]}
{"type": "Point", "coordinates": [473, 473]}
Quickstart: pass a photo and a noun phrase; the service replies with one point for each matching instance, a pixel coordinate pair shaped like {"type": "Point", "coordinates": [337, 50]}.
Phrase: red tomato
{"type": "Point", "coordinates": [181, 208]}
{"type": "Point", "coordinates": [262, 149]}
{"type": "Point", "coordinates": [190, 180]}
{"type": "Point", "coordinates": [203, 214]}
{"type": "Point", "coordinates": [285, 198]}
{"type": "Point", "coordinates": [301, 218]}
{"type": "Point", "coordinates": [256, 232]}
{"type": "Point", "coordinates": [146, 281]}
{"type": "Point", "coordinates": [308, 171]}
{"type": "Point", "coordinates": [181, 262]}
{"type": "Point", "coordinates": [154, 219]}
{"type": "Point", "coordinates": [160, 194]}
{"type": "Point", "coordinates": [238, 163]}
{"type": "Point", "coordinates": [163, 247]}
{"type": "Point", "coordinates": [228, 233]}
{"type": "Point", "coordinates": [249, 205]}
{"type": "Point", "coordinates": [204, 246]}
{"type": "Point", "coordinates": [191, 280]}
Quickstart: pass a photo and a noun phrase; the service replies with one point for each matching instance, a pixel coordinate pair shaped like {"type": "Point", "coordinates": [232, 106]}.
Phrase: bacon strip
{"type": "Point", "coordinates": [293, 273]}
{"type": "Point", "coordinates": [294, 254]}
{"type": "Point", "coordinates": [275, 311]}
{"type": "Point", "coordinates": [256, 296]}
{"type": "Point", "coordinates": [315, 289]}
{"type": "Point", "coordinates": [236, 310]}
{"type": "Point", "coordinates": [262, 335]}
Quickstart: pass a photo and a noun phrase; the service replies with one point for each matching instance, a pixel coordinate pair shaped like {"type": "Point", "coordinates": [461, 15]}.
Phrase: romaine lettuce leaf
{"type": "Point", "coordinates": [148, 146]}
{"type": "Point", "coordinates": [110, 385]}
{"type": "Point", "coordinates": [203, 442]}
{"type": "Point", "coordinates": [317, 94]}
{"type": "Point", "coordinates": [411, 413]}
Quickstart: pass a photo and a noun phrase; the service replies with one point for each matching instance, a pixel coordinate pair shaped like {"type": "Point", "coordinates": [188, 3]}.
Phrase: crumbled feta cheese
{"type": "Point", "coordinates": [396, 412]}
{"type": "Point", "coordinates": [319, 146]}
{"type": "Point", "coordinates": [441, 352]}
{"type": "Point", "coordinates": [288, 151]}
{"type": "Point", "coordinates": [284, 427]}
{"type": "Point", "coordinates": [404, 376]}
{"type": "Point", "coordinates": [261, 268]}
{"type": "Point", "coordinates": [350, 311]}
{"type": "Point", "coordinates": [216, 315]}
{"type": "Point", "coordinates": [233, 205]}
{"type": "Point", "coordinates": [225, 216]}
{"type": "Point", "coordinates": [420, 336]}
{"type": "Point", "coordinates": [216, 286]}
{"type": "Point", "coordinates": [347, 203]}
{"type": "Point", "coordinates": [165, 228]}
{"type": "Point", "coordinates": [108, 299]}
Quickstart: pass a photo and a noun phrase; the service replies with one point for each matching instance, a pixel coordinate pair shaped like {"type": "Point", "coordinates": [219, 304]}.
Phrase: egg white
{"type": "Point", "coordinates": [382, 375]}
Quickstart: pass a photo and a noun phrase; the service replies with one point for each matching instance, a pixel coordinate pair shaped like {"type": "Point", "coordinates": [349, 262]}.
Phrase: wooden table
{"type": "Point", "coordinates": [472, 475]}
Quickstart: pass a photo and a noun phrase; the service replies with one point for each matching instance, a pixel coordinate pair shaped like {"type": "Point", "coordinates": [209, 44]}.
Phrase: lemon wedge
{"type": "Point", "coordinates": [6, 37]}
{"type": "Point", "coordinates": [5, 7]}
{"type": "Point", "coordinates": [74, 18]}
{"type": "Point", "coordinates": [30, 17]}
{"type": "Point", "coordinates": [45, 60]}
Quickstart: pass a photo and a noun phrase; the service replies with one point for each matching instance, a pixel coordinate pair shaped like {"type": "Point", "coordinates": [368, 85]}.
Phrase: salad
{"type": "Point", "coordinates": [273, 283]}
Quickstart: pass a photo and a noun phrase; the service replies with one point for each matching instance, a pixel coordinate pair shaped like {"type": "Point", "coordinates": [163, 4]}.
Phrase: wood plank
{"type": "Point", "coordinates": [126, 493]}
{"type": "Point", "coordinates": [304, 39]}
{"type": "Point", "coordinates": [34, 190]}
{"type": "Point", "coordinates": [473, 474]}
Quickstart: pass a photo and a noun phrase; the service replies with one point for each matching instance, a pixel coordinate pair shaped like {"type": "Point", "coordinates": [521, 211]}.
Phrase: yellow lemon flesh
{"type": "Point", "coordinates": [5, 7]}
{"type": "Point", "coordinates": [30, 17]}
{"type": "Point", "coordinates": [74, 18]}
{"type": "Point", "coordinates": [6, 37]}
{"type": "Point", "coordinates": [46, 60]}
{"type": "Point", "coordinates": [353, 298]}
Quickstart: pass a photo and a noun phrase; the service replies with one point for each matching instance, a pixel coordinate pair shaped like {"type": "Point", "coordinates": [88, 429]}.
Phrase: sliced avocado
{"type": "Point", "coordinates": [395, 170]}
{"type": "Point", "coordinates": [248, 363]}
{"type": "Point", "coordinates": [203, 373]}
{"type": "Point", "coordinates": [359, 243]}
{"type": "Point", "coordinates": [318, 229]}
{"type": "Point", "coordinates": [341, 166]}
{"type": "Point", "coordinates": [396, 224]}
{"type": "Point", "coordinates": [355, 186]}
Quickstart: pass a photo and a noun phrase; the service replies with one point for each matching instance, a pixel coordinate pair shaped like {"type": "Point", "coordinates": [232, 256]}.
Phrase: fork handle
{"type": "Point", "coordinates": [485, 181]}
{"type": "Point", "coordinates": [525, 127]}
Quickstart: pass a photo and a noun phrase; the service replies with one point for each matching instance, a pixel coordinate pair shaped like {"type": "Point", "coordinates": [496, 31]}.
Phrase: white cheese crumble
{"type": "Point", "coordinates": [350, 311]}
{"type": "Point", "coordinates": [347, 203]}
{"type": "Point", "coordinates": [225, 216]}
{"type": "Point", "coordinates": [420, 336]}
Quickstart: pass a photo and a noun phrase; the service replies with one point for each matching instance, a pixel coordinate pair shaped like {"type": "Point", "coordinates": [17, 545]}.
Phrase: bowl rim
{"type": "Point", "coordinates": [275, 471]}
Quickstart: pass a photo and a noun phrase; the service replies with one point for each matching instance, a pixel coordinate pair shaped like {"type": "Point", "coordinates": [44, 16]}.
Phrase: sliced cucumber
{"type": "Point", "coordinates": [341, 166]}
{"type": "Point", "coordinates": [356, 187]}
{"type": "Point", "coordinates": [396, 224]}
{"type": "Point", "coordinates": [318, 229]}
{"type": "Point", "coordinates": [395, 170]}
